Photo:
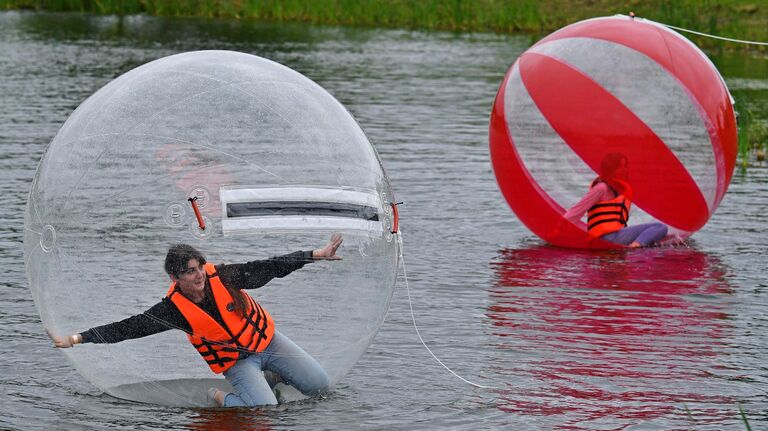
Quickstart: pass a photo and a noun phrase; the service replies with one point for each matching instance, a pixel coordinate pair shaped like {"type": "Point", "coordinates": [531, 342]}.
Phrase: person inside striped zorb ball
{"type": "Point", "coordinates": [209, 210]}
{"type": "Point", "coordinates": [616, 85]}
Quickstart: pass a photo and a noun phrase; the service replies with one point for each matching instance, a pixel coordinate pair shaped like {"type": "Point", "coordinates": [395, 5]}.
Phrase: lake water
{"type": "Point", "coordinates": [670, 338]}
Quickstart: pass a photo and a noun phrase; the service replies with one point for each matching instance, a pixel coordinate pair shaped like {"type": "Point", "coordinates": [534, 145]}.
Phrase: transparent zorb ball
{"type": "Point", "coordinates": [275, 164]}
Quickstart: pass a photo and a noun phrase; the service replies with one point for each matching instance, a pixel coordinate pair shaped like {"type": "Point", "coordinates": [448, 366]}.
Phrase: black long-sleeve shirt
{"type": "Point", "coordinates": [164, 315]}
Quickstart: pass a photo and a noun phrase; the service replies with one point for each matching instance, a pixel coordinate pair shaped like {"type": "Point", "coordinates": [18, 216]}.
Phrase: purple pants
{"type": "Point", "coordinates": [645, 234]}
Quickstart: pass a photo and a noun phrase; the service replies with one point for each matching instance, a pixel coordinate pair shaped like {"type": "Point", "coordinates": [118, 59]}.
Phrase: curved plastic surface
{"type": "Point", "coordinates": [611, 85]}
{"type": "Point", "coordinates": [110, 197]}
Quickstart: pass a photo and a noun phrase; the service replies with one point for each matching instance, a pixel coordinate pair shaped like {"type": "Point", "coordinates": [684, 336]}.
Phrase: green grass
{"type": "Point", "coordinates": [753, 138]}
{"type": "Point", "coordinates": [742, 19]}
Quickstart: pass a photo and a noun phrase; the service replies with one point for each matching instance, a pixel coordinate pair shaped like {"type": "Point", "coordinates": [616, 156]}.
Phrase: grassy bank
{"type": "Point", "coordinates": [742, 19]}
{"type": "Point", "coordinates": [753, 139]}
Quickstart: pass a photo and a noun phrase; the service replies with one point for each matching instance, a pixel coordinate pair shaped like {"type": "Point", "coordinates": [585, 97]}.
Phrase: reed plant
{"type": "Point", "coordinates": [753, 138]}
{"type": "Point", "coordinates": [744, 418]}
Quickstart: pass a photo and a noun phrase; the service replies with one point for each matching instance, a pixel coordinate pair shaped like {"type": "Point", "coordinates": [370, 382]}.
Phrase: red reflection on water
{"type": "Point", "coordinates": [240, 419]}
{"type": "Point", "coordinates": [607, 339]}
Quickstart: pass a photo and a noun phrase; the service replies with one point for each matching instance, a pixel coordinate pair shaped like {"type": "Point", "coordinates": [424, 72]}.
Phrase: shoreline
{"type": "Point", "coordinates": [524, 18]}
{"type": "Point", "coordinates": [738, 19]}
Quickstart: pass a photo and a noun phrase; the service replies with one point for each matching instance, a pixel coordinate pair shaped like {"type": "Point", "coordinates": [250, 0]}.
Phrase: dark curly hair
{"type": "Point", "coordinates": [176, 261]}
{"type": "Point", "coordinates": [178, 256]}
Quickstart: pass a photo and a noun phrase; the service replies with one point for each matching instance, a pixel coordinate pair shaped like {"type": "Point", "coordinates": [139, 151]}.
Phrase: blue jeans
{"type": "Point", "coordinates": [285, 359]}
{"type": "Point", "coordinates": [645, 234]}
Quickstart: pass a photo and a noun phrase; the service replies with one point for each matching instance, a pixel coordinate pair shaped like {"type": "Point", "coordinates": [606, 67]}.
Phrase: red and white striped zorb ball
{"type": "Point", "coordinates": [613, 85]}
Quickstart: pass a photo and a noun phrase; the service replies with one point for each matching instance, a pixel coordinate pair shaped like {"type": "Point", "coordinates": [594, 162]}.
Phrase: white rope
{"type": "Point", "coordinates": [413, 318]}
{"type": "Point", "coordinates": [748, 42]}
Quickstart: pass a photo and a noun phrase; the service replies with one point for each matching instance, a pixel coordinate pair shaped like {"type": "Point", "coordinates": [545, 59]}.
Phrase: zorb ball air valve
{"type": "Point", "coordinates": [613, 85]}
{"type": "Point", "coordinates": [272, 163]}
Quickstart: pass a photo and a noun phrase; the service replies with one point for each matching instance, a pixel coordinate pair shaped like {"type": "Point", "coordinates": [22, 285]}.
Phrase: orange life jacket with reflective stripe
{"type": "Point", "coordinates": [220, 344]}
{"type": "Point", "coordinates": [610, 215]}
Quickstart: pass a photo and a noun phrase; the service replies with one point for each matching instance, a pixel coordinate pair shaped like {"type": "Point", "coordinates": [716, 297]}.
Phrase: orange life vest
{"type": "Point", "coordinates": [610, 215]}
{"type": "Point", "coordinates": [220, 345]}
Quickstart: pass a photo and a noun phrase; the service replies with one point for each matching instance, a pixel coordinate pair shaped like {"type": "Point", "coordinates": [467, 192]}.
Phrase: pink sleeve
{"type": "Point", "coordinates": [596, 194]}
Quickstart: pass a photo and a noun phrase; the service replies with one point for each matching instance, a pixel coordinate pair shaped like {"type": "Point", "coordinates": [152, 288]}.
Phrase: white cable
{"type": "Point", "coordinates": [748, 42]}
{"type": "Point", "coordinates": [413, 318]}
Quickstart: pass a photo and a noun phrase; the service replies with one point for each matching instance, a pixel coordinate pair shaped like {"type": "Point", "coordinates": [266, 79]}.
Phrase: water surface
{"type": "Point", "coordinates": [652, 339]}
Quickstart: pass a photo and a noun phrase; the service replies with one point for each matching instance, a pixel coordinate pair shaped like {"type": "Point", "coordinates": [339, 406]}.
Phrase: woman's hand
{"type": "Point", "coordinates": [65, 342]}
{"type": "Point", "coordinates": [329, 251]}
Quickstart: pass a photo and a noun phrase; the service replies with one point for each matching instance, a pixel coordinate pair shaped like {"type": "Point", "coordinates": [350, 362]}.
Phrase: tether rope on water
{"type": "Point", "coordinates": [418, 333]}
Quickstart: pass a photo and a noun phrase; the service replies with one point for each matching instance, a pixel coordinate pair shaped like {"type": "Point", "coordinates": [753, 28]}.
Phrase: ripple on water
{"type": "Point", "coordinates": [655, 339]}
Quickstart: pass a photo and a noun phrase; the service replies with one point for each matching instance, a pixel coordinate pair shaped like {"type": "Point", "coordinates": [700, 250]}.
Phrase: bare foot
{"type": "Point", "coordinates": [635, 245]}
{"type": "Point", "coordinates": [217, 395]}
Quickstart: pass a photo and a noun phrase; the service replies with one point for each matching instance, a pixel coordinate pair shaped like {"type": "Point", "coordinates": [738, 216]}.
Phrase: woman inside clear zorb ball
{"type": "Point", "coordinates": [170, 215]}
{"type": "Point", "coordinates": [233, 333]}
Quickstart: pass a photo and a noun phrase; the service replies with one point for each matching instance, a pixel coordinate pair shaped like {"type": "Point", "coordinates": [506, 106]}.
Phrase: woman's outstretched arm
{"type": "Point", "coordinates": [161, 317]}
{"type": "Point", "coordinates": [257, 273]}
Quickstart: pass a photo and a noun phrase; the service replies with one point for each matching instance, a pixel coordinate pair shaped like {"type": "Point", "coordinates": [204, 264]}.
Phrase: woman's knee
{"type": "Point", "coordinates": [297, 368]}
{"type": "Point", "coordinates": [312, 380]}
{"type": "Point", "coordinates": [250, 400]}
{"type": "Point", "coordinates": [250, 387]}
{"type": "Point", "coordinates": [324, 383]}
